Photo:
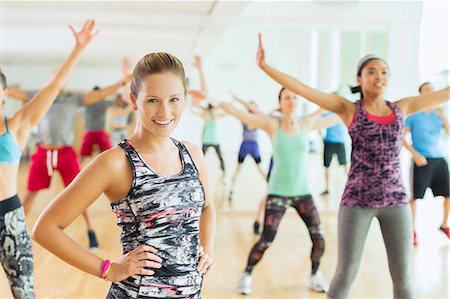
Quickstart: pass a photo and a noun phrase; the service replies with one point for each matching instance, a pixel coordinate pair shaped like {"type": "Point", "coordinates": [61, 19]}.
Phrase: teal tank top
{"type": "Point", "coordinates": [10, 151]}
{"type": "Point", "coordinates": [210, 133]}
{"type": "Point", "coordinates": [290, 153]}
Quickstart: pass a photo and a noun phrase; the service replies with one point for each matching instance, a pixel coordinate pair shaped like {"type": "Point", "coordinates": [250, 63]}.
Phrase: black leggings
{"type": "Point", "coordinates": [219, 154]}
{"type": "Point", "coordinates": [275, 208]}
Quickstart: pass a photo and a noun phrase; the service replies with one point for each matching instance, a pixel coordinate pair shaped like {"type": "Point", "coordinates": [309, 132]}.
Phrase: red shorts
{"type": "Point", "coordinates": [44, 163]}
{"type": "Point", "coordinates": [91, 138]}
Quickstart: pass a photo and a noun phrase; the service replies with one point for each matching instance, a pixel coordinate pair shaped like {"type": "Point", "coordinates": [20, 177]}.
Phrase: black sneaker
{"type": "Point", "coordinates": [256, 227]}
{"type": "Point", "coordinates": [93, 243]}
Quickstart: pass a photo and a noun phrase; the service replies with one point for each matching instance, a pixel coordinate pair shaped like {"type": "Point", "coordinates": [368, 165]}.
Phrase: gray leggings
{"type": "Point", "coordinates": [353, 226]}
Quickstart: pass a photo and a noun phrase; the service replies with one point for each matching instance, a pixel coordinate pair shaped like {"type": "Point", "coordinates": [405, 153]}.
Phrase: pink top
{"type": "Point", "coordinates": [381, 120]}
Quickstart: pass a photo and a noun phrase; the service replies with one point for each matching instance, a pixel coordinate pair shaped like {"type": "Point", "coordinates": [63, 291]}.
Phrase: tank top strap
{"type": "Point", "coordinates": [6, 125]}
{"type": "Point", "coordinates": [398, 113]}
{"type": "Point", "coordinates": [359, 109]}
{"type": "Point", "coordinates": [138, 165]}
{"type": "Point", "coordinates": [186, 158]}
{"type": "Point", "coordinates": [359, 116]}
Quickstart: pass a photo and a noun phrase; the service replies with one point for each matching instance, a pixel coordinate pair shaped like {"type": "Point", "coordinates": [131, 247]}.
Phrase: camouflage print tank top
{"type": "Point", "coordinates": [163, 212]}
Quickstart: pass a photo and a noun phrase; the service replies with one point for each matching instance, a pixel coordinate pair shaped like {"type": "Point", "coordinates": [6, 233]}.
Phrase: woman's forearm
{"type": "Point", "coordinates": [60, 244]}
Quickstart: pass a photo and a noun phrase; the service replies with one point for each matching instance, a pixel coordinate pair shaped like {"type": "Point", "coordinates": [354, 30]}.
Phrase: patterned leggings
{"type": "Point", "coordinates": [275, 208]}
{"type": "Point", "coordinates": [15, 249]}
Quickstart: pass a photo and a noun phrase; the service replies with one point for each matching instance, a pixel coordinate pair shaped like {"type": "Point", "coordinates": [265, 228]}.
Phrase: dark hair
{"type": "Point", "coordinates": [356, 89]}
{"type": "Point", "coordinates": [279, 94]}
{"type": "Point", "coordinates": [156, 63]}
{"type": "Point", "coordinates": [423, 84]}
{"type": "Point", "coordinates": [365, 60]}
{"type": "Point", "coordinates": [96, 88]}
{"type": "Point", "coordinates": [361, 65]}
{"type": "Point", "coordinates": [3, 80]}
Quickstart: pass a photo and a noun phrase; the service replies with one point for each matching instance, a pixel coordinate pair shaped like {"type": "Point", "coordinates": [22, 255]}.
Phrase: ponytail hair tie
{"type": "Point", "coordinates": [355, 89]}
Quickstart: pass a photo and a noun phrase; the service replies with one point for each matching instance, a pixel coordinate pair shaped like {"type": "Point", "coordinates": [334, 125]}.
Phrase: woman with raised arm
{"type": "Point", "coordinates": [288, 184]}
{"type": "Point", "coordinates": [249, 145]}
{"type": "Point", "coordinates": [210, 135]}
{"type": "Point", "coordinates": [158, 190]}
{"type": "Point", "coordinates": [374, 187]}
{"type": "Point", "coordinates": [15, 250]}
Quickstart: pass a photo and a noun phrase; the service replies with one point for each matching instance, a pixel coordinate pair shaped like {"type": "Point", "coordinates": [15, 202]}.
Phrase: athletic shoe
{"type": "Point", "coordinates": [318, 283]}
{"type": "Point", "coordinates": [415, 239]}
{"type": "Point", "coordinates": [93, 243]}
{"type": "Point", "coordinates": [325, 193]}
{"type": "Point", "coordinates": [245, 284]}
{"type": "Point", "coordinates": [256, 227]}
{"type": "Point", "coordinates": [445, 230]}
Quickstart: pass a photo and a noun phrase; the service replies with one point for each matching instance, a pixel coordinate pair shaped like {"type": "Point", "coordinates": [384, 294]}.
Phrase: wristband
{"type": "Point", "coordinates": [104, 268]}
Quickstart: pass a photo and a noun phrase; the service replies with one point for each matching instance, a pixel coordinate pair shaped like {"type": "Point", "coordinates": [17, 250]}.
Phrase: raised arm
{"type": "Point", "coordinates": [98, 95]}
{"type": "Point", "coordinates": [197, 96]}
{"type": "Point", "coordinates": [77, 197]}
{"type": "Point", "coordinates": [17, 93]}
{"type": "Point", "coordinates": [198, 65]}
{"type": "Point", "coordinates": [95, 96]}
{"type": "Point", "coordinates": [200, 111]}
{"type": "Point", "coordinates": [331, 102]}
{"type": "Point", "coordinates": [326, 122]}
{"type": "Point", "coordinates": [423, 102]}
{"type": "Point", "coordinates": [251, 107]}
{"type": "Point", "coordinates": [30, 114]}
{"type": "Point", "coordinates": [263, 122]}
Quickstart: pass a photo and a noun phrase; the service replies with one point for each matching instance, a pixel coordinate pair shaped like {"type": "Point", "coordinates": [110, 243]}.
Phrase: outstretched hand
{"type": "Point", "coordinates": [235, 97]}
{"type": "Point", "coordinates": [260, 55]}
{"type": "Point", "coordinates": [125, 67]}
{"type": "Point", "coordinates": [196, 95]}
{"type": "Point", "coordinates": [85, 35]}
{"type": "Point", "coordinates": [197, 62]}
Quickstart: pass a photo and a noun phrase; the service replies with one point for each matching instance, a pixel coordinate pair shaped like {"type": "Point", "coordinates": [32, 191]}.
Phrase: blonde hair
{"type": "Point", "coordinates": [156, 63]}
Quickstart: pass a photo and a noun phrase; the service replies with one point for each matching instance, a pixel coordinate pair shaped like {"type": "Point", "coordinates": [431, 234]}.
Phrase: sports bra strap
{"type": "Point", "coordinates": [6, 124]}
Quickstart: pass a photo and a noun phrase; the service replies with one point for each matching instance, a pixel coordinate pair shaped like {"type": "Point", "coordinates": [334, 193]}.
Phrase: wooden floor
{"type": "Point", "coordinates": [284, 270]}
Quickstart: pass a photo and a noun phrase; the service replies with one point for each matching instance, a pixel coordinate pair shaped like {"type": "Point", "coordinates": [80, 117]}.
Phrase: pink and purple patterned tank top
{"type": "Point", "coordinates": [163, 212]}
{"type": "Point", "coordinates": [375, 178]}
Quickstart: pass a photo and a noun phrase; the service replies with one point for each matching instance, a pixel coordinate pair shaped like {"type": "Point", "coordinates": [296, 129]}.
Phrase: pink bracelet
{"type": "Point", "coordinates": [104, 267]}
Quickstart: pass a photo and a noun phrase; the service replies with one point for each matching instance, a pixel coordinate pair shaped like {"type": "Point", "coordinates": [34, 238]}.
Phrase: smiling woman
{"type": "Point", "coordinates": [158, 192]}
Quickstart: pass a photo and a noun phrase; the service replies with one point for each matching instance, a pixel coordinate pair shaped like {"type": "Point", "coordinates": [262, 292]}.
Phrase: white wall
{"type": "Point", "coordinates": [317, 42]}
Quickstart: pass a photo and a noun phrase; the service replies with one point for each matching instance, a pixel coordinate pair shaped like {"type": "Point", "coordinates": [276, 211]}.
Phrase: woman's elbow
{"type": "Point", "coordinates": [38, 231]}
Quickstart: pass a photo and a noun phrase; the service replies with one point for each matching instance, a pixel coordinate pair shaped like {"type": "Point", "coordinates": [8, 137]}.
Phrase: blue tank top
{"type": "Point", "coordinates": [163, 212]}
{"type": "Point", "coordinates": [10, 151]}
